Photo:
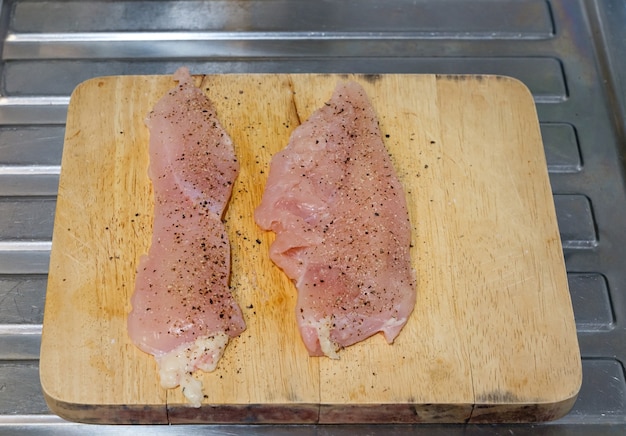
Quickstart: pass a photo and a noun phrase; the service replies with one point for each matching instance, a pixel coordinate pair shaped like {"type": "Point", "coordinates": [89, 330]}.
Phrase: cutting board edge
{"type": "Point", "coordinates": [366, 76]}
{"type": "Point", "coordinates": [522, 413]}
{"type": "Point", "coordinates": [310, 413]}
{"type": "Point", "coordinates": [107, 413]}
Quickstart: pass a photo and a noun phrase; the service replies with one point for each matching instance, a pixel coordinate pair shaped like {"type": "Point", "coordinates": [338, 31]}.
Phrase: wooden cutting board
{"type": "Point", "coordinates": [492, 337]}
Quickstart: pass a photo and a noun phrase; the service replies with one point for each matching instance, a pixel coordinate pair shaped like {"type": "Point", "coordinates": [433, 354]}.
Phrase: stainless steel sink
{"type": "Point", "coordinates": [570, 53]}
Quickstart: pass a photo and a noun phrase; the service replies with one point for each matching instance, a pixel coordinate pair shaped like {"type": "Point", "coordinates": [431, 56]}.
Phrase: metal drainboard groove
{"type": "Point", "coordinates": [525, 18]}
{"type": "Point", "coordinates": [15, 41]}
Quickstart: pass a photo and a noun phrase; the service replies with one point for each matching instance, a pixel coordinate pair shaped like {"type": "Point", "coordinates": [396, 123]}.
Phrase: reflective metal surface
{"type": "Point", "coordinates": [571, 54]}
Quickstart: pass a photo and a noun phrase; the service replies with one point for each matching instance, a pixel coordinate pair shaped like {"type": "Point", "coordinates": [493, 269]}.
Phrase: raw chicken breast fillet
{"type": "Point", "coordinates": [342, 226]}
{"type": "Point", "coordinates": [182, 310]}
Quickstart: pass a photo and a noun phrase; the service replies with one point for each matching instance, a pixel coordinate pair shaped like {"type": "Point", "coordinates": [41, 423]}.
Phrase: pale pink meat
{"type": "Point", "coordinates": [342, 226]}
{"type": "Point", "coordinates": [181, 290]}
{"type": "Point", "coordinates": [190, 152]}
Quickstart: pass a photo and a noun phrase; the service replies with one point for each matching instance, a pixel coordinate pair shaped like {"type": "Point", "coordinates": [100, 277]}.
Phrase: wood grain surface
{"type": "Point", "coordinates": [492, 337]}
